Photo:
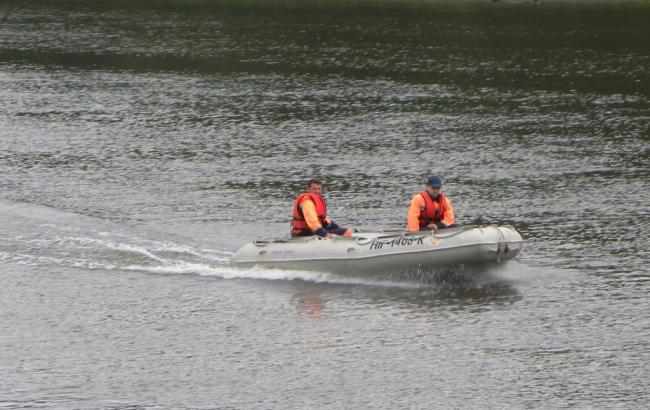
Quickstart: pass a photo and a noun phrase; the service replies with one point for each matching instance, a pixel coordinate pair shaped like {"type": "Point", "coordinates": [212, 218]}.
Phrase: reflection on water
{"type": "Point", "coordinates": [309, 302]}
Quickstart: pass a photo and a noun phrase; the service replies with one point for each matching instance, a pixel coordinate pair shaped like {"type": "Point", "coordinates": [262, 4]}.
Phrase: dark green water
{"type": "Point", "coordinates": [141, 145]}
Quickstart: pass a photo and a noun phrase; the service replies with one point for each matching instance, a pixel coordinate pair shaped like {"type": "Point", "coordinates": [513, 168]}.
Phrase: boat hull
{"type": "Point", "coordinates": [390, 252]}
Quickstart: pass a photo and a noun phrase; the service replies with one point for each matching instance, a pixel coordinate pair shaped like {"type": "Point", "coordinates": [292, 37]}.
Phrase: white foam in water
{"type": "Point", "coordinates": [172, 247]}
{"type": "Point", "coordinates": [208, 254]}
{"type": "Point", "coordinates": [118, 247]}
{"type": "Point", "coordinates": [223, 252]}
{"type": "Point", "coordinates": [148, 251]}
{"type": "Point", "coordinates": [5, 257]}
{"type": "Point", "coordinates": [229, 272]}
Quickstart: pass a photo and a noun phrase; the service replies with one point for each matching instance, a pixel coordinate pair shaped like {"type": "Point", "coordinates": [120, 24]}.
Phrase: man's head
{"type": "Point", "coordinates": [314, 186]}
{"type": "Point", "coordinates": [433, 185]}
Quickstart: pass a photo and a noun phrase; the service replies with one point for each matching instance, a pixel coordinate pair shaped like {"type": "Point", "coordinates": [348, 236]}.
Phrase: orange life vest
{"type": "Point", "coordinates": [433, 211]}
{"type": "Point", "coordinates": [298, 223]}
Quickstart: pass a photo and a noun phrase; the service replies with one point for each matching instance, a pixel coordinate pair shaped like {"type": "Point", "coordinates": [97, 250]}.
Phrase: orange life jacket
{"type": "Point", "coordinates": [298, 223]}
{"type": "Point", "coordinates": [433, 211]}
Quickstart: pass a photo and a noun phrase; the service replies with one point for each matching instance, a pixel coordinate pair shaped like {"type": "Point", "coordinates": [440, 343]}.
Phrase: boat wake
{"type": "Point", "coordinates": [169, 258]}
{"type": "Point", "coordinates": [161, 258]}
{"type": "Point", "coordinates": [89, 244]}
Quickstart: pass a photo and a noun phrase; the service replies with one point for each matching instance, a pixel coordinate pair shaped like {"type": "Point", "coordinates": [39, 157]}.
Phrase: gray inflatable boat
{"type": "Point", "coordinates": [373, 252]}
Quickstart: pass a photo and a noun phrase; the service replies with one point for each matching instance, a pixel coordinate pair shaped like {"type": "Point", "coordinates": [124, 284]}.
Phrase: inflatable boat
{"type": "Point", "coordinates": [372, 252]}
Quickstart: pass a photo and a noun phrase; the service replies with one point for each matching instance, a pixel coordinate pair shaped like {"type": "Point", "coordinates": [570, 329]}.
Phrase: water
{"type": "Point", "coordinates": [140, 147]}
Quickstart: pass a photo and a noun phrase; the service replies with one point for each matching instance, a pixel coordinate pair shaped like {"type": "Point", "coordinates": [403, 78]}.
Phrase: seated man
{"type": "Point", "coordinates": [430, 209]}
{"type": "Point", "coordinates": [310, 214]}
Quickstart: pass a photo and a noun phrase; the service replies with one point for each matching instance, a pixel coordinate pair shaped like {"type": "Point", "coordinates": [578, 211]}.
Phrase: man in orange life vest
{"type": "Point", "coordinates": [310, 214]}
{"type": "Point", "coordinates": [430, 209]}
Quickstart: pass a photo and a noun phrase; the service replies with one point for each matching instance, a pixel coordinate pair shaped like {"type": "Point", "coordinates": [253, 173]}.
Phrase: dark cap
{"type": "Point", "coordinates": [434, 182]}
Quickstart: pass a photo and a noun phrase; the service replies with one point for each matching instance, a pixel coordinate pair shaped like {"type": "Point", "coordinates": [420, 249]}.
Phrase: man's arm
{"type": "Point", "coordinates": [332, 227]}
{"type": "Point", "coordinates": [448, 216]}
{"type": "Point", "coordinates": [413, 217]}
{"type": "Point", "coordinates": [311, 217]}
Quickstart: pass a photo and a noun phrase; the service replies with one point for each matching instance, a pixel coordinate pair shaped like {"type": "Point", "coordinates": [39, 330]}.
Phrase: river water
{"type": "Point", "coordinates": [140, 147]}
